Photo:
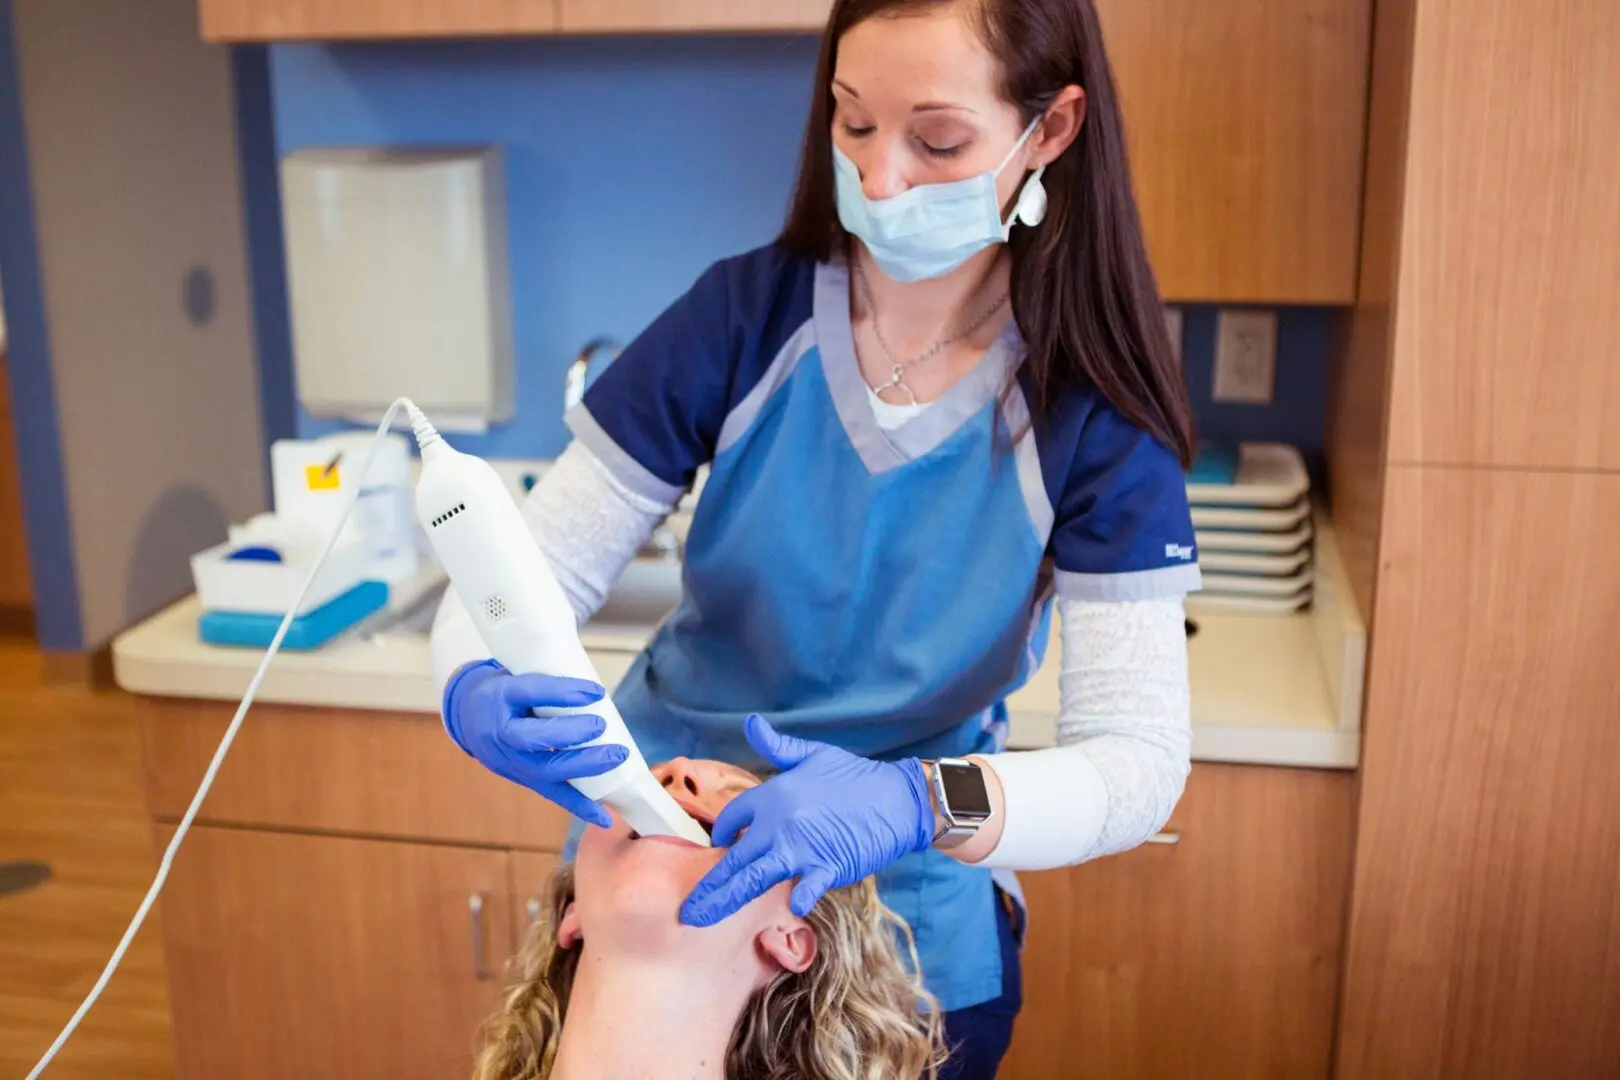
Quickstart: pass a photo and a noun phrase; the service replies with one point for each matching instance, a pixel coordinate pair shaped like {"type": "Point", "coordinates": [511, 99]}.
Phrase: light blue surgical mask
{"type": "Point", "coordinates": [931, 229]}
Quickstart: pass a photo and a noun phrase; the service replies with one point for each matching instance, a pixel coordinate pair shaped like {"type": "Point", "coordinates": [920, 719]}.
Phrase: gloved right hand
{"type": "Point", "coordinates": [487, 711]}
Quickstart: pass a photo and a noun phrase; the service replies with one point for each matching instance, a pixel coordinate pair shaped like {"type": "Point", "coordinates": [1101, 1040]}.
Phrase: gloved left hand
{"type": "Point", "coordinates": [830, 818]}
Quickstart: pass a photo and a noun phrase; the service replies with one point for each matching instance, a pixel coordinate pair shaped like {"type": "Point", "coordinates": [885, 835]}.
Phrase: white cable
{"type": "Point", "coordinates": [424, 434]}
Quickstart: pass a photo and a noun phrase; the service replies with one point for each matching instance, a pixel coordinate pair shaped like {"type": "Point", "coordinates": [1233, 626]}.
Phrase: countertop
{"type": "Point", "coordinates": [1273, 690]}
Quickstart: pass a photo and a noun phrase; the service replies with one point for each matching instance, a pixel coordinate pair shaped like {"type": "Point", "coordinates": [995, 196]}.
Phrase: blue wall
{"type": "Point", "coordinates": [58, 624]}
{"type": "Point", "coordinates": [632, 164]}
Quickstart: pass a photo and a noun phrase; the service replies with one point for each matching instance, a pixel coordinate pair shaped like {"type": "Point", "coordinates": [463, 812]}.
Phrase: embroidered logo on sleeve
{"type": "Point", "coordinates": [1178, 551]}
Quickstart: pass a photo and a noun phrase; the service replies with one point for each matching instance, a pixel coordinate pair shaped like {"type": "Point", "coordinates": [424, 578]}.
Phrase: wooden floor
{"type": "Point", "coordinates": [70, 796]}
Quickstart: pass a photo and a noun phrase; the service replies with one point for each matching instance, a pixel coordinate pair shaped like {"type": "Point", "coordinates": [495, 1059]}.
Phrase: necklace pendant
{"type": "Point", "coordinates": [897, 374]}
{"type": "Point", "coordinates": [897, 387]}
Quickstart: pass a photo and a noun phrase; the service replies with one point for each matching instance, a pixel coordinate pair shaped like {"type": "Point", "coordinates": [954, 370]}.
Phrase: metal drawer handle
{"type": "Point", "coordinates": [1165, 836]}
{"type": "Point", "coordinates": [531, 908]}
{"type": "Point", "coordinates": [475, 913]}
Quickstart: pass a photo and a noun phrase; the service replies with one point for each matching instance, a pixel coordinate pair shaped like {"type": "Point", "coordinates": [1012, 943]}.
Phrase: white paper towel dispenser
{"type": "Point", "coordinates": [398, 281]}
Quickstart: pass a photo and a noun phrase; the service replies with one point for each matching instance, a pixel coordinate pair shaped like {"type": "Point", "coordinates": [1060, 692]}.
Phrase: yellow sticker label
{"type": "Point", "coordinates": [319, 478]}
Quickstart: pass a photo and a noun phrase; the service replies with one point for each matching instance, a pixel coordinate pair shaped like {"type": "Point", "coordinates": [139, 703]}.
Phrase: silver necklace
{"type": "Point", "coordinates": [898, 369]}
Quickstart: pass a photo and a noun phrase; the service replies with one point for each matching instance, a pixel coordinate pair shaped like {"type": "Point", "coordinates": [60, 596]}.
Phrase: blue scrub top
{"type": "Point", "coordinates": [881, 591]}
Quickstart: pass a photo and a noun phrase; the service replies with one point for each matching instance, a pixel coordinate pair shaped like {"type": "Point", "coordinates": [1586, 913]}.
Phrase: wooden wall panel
{"type": "Point", "coordinates": [280, 20]}
{"type": "Point", "coordinates": [1510, 326]}
{"type": "Point", "coordinates": [1485, 924]}
{"type": "Point", "coordinates": [1246, 121]}
{"type": "Point", "coordinates": [1358, 402]}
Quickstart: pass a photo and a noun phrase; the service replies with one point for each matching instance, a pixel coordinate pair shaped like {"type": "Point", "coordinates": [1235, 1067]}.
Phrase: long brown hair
{"type": "Point", "coordinates": [1083, 291]}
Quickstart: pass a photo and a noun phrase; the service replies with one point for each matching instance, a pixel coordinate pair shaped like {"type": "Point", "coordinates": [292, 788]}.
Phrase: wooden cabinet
{"type": "Point", "coordinates": [1509, 331]}
{"type": "Point", "coordinates": [1216, 955]}
{"type": "Point", "coordinates": [1245, 118]}
{"type": "Point", "coordinates": [347, 901]}
{"type": "Point", "coordinates": [354, 879]}
{"type": "Point", "coordinates": [644, 16]}
{"type": "Point", "coordinates": [1246, 122]}
{"type": "Point", "coordinates": [295, 20]}
{"type": "Point", "coordinates": [304, 956]}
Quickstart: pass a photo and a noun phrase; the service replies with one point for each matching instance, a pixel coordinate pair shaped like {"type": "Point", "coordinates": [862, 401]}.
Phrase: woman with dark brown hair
{"type": "Point", "coordinates": [942, 401]}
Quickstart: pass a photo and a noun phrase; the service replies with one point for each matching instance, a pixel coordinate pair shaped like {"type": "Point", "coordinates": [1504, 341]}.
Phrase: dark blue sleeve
{"type": "Point", "coordinates": [654, 415]}
{"type": "Point", "coordinates": [1122, 528]}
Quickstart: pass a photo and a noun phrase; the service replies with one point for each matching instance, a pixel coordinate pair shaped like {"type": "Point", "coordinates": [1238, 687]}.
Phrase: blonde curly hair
{"type": "Point", "coordinates": [856, 1013]}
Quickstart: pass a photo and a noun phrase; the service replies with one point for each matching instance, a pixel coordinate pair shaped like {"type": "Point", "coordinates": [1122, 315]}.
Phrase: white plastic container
{"type": "Point", "coordinates": [1248, 519]}
{"type": "Point", "coordinates": [314, 480]}
{"type": "Point", "coordinates": [1238, 562]}
{"type": "Point", "coordinates": [1269, 476]}
{"type": "Point", "coordinates": [268, 588]}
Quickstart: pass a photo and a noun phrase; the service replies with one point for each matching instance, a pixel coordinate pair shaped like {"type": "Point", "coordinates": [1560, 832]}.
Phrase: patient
{"type": "Point", "coordinates": [609, 983]}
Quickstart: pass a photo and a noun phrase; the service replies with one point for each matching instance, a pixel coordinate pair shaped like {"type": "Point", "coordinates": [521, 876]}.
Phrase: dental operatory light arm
{"type": "Point", "coordinates": [528, 622]}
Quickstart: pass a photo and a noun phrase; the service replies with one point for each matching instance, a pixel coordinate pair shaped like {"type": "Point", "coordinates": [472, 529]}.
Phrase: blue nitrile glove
{"type": "Point", "coordinates": [829, 819]}
{"type": "Point", "coordinates": [487, 712]}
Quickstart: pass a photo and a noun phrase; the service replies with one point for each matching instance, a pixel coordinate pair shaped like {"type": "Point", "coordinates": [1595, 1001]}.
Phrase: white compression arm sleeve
{"type": "Point", "coordinates": [588, 525]}
{"type": "Point", "coordinates": [1124, 740]}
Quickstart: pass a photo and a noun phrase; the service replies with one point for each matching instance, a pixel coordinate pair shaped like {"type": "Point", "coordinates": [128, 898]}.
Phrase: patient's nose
{"type": "Point", "coordinates": [680, 775]}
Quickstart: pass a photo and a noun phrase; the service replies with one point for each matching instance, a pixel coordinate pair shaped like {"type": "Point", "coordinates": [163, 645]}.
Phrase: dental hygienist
{"type": "Point", "coordinates": [944, 396]}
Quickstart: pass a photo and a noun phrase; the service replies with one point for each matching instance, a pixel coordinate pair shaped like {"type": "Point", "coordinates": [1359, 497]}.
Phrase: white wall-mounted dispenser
{"type": "Point", "coordinates": [398, 280]}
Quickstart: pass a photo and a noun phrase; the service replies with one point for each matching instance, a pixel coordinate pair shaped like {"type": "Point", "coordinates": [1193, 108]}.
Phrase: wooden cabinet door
{"type": "Point", "coordinates": [606, 16]}
{"type": "Point", "coordinates": [1246, 124]}
{"type": "Point", "coordinates": [1506, 355]}
{"type": "Point", "coordinates": [1213, 956]}
{"type": "Point", "coordinates": [294, 956]}
{"type": "Point", "coordinates": [287, 20]}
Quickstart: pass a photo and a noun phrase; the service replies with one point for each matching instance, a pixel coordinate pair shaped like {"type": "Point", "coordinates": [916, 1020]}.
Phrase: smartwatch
{"type": "Point", "coordinates": [961, 797]}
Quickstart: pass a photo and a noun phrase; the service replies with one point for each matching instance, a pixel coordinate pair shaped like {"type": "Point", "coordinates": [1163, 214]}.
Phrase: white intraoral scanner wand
{"type": "Point", "coordinates": [502, 577]}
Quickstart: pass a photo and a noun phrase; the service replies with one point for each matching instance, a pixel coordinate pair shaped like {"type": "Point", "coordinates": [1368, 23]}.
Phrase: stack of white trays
{"type": "Point", "coordinates": [1254, 535]}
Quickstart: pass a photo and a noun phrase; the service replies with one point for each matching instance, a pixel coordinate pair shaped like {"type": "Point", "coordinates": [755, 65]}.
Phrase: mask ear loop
{"type": "Point", "coordinates": [1019, 145]}
{"type": "Point", "coordinates": [1030, 208]}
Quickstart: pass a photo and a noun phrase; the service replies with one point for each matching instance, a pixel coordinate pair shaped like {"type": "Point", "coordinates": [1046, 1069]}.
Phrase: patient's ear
{"type": "Point", "coordinates": [568, 930]}
{"type": "Point", "coordinates": [792, 945]}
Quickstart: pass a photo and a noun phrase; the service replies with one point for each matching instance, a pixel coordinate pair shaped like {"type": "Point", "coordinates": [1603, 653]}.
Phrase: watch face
{"type": "Point", "coordinates": [965, 790]}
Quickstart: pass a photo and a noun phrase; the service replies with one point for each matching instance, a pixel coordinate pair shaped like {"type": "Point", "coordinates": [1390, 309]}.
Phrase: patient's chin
{"type": "Point", "coordinates": [630, 891]}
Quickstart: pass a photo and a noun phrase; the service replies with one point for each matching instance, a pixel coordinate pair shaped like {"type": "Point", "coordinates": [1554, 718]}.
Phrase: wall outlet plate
{"type": "Point", "coordinates": [1176, 325]}
{"type": "Point", "coordinates": [1246, 357]}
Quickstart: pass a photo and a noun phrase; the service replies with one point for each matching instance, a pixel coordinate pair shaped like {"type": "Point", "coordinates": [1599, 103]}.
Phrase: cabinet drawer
{"type": "Point", "coordinates": [369, 773]}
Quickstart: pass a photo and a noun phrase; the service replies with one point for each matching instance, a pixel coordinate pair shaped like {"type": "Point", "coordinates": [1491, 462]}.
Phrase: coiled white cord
{"type": "Point", "coordinates": [425, 435]}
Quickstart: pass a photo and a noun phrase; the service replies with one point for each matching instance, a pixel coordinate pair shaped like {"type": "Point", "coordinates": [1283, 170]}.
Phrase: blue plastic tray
{"type": "Point", "coordinates": [255, 630]}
